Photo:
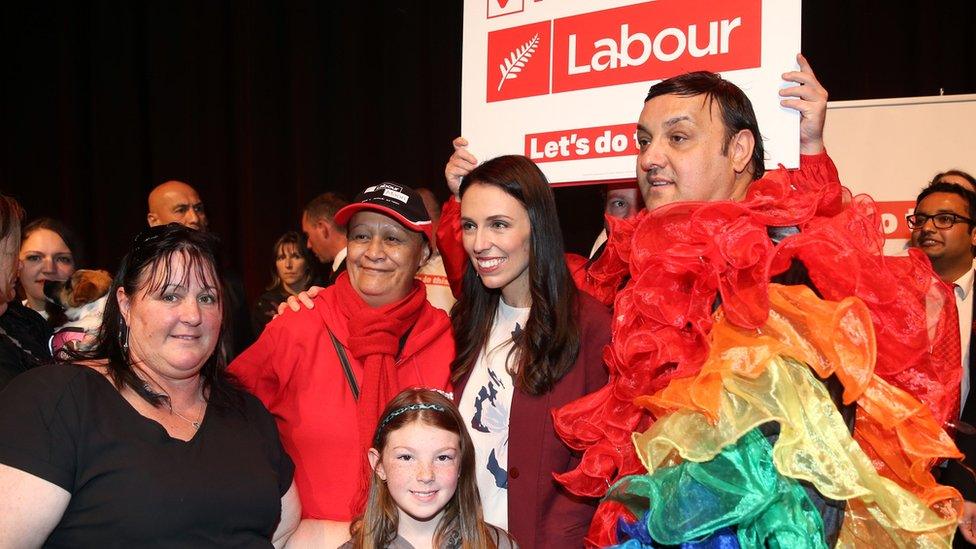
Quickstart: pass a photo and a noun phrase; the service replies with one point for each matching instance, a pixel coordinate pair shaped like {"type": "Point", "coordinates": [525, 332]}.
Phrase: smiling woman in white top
{"type": "Point", "coordinates": [527, 342]}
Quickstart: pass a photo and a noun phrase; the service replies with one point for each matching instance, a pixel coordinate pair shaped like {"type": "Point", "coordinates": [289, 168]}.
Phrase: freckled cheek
{"type": "Point", "coordinates": [447, 476]}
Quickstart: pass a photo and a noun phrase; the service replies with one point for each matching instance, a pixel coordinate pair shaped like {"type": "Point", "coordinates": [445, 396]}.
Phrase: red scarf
{"type": "Point", "coordinates": [374, 339]}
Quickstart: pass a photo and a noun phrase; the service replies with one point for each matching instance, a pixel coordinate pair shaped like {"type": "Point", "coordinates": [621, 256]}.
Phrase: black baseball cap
{"type": "Point", "coordinates": [397, 201]}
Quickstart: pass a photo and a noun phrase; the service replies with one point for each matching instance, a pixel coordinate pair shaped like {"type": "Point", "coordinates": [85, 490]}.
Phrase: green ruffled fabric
{"type": "Point", "coordinates": [740, 487]}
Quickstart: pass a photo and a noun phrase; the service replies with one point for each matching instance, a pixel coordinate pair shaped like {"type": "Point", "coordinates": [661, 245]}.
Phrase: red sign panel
{"type": "Point", "coordinates": [655, 40]}
{"type": "Point", "coordinates": [518, 61]}
{"type": "Point", "coordinates": [893, 223]}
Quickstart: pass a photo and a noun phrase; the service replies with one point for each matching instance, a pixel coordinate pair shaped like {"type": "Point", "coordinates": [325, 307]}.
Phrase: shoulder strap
{"type": "Point", "coordinates": [346, 368]}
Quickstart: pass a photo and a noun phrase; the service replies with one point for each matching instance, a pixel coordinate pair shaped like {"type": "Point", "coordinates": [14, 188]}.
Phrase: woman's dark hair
{"type": "Point", "coordinates": [148, 268]}
{"type": "Point", "coordinates": [67, 235]}
{"type": "Point", "coordinates": [378, 525]}
{"type": "Point", "coordinates": [297, 240]}
{"type": "Point", "coordinates": [736, 109]}
{"type": "Point", "coordinates": [547, 347]}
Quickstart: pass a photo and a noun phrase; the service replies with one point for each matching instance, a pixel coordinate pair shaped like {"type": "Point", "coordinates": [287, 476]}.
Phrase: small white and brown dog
{"type": "Point", "coordinates": [83, 298]}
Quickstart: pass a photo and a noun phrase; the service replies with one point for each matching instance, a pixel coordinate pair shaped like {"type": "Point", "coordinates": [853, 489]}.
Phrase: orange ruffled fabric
{"type": "Point", "coordinates": [896, 431]}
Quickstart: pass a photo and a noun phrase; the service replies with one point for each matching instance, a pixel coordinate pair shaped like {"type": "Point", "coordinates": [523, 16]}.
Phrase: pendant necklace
{"type": "Point", "coordinates": [149, 389]}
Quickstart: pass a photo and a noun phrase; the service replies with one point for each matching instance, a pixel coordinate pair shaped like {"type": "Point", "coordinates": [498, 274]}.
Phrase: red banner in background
{"type": "Point", "coordinates": [893, 223]}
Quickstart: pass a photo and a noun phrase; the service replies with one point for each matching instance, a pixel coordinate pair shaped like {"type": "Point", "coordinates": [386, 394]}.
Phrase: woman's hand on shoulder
{"type": "Point", "coordinates": [295, 302]}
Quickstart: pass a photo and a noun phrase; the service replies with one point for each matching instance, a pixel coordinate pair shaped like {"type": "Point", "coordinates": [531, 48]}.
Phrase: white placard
{"type": "Point", "coordinates": [891, 148]}
{"type": "Point", "coordinates": [563, 82]}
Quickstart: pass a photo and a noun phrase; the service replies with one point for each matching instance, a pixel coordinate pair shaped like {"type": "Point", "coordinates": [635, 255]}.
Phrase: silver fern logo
{"type": "Point", "coordinates": [516, 60]}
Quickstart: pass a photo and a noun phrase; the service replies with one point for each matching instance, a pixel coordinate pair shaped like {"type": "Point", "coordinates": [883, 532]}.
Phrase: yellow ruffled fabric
{"type": "Point", "coordinates": [757, 376]}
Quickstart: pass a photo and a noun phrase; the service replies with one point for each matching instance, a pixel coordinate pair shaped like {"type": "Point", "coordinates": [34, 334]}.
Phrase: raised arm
{"type": "Point", "coordinates": [449, 231]}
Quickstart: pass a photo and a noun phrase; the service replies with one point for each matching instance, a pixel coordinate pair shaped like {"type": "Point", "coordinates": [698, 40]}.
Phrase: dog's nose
{"type": "Point", "coordinates": [53, 287]}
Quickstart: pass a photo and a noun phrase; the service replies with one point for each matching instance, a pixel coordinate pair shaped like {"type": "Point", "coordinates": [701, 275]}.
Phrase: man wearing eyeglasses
{"type": "Point", "coordinates": [943, 228]}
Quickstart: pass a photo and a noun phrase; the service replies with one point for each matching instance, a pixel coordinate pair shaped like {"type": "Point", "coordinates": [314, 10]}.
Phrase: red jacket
{"type": "Point", "coordinates": [541, 513]}
{"type": "Point", "coordinates": [293, 368]}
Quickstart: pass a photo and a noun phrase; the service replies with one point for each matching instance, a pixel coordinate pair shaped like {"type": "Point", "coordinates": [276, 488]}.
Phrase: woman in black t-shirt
{"type": "Point", "coordinates": [148, 441]}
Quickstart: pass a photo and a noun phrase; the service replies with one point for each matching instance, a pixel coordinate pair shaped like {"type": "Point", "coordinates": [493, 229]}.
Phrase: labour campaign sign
{"type": "Point", "coordinates": [563, 82]}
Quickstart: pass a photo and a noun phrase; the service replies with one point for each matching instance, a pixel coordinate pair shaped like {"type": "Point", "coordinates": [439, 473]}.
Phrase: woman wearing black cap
{"type": "Point", "coordinates": [327, 372]}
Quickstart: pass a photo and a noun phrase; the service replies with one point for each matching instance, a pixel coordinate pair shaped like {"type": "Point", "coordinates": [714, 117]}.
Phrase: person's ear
{"type": "Point", "coordinates": [741, 147]}
{"type": "Point", "coordinates": [425, 254]}
{"type": "Point", "coordinates": [152, 219]}
{"type": "Point", "coordinates": [324, 228]}
{"type": "Point", "coordinates": [123, 299]}
{"type": "Point", "coordinates": [375, 463]}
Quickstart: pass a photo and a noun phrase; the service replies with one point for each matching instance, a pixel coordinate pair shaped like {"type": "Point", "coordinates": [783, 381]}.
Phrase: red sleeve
{"type": "Point", "coordinates": [818, 175]}
{"type": "Point", "coordinates": [257, 369]}
{"type": "Point", "coordinates": [604, 277]}
{"type": "Point", "coordinates": [449, 244]}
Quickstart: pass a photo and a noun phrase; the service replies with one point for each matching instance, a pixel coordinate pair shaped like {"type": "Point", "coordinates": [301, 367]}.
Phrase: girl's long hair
{"type": "Point", "coordinates": [549, 344]}
{"type": "Point", "coordinates": [377, 527]}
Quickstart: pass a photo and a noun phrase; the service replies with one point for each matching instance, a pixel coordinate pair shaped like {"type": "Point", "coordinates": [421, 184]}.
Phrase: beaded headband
{"type": "Point", "coordinates": [401, 410]}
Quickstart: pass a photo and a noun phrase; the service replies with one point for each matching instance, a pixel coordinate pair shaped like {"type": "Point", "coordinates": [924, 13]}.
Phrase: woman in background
{"type": "Point", "coordinates": [293, 272]}
{"type": "Point", "coordinates": [48, 251]}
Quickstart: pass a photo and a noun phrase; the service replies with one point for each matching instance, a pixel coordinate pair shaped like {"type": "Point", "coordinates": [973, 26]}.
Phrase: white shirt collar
{"type": "Point", "coordinates": [339, 258]}
{"type": "Point", "coordinates": [965, 284]}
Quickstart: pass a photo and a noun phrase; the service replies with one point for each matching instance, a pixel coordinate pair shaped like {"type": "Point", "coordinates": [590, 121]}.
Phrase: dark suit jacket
{"type": "Point", "coordinates": [541, 513]}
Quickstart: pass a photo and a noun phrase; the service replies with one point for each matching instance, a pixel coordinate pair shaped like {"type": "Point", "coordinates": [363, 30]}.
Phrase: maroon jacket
{"type": "Point", "coordinates": [541, 513]}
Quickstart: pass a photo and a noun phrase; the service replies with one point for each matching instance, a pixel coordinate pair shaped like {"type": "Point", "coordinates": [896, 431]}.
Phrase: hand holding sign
{"type": "Point", "coordinates": [811, 101]}
{"type": "Point", "coordinates": [459, 165]}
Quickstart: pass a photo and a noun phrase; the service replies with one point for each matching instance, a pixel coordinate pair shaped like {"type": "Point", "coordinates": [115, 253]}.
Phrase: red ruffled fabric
{"type": "Point", "coordinates": [682, 257]}
{"type": "Point", "coordinates": [844, 257]}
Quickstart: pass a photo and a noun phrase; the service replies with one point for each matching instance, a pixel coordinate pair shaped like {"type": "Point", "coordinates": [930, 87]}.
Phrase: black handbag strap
{"type": "Point", "coordinates": [346, 368]}
{"type": "Point", "coordinates": [344, 360]}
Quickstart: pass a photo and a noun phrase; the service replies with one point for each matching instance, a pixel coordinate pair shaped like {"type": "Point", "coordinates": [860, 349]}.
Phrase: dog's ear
{"type": "Point", "coordinates": [84, 292]}
{"type": "Point", "coordinates": [89, 286]}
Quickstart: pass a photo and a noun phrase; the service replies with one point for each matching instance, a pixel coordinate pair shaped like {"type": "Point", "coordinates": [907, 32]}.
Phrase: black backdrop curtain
{"type": "Point", "coordinates": [261, 105]}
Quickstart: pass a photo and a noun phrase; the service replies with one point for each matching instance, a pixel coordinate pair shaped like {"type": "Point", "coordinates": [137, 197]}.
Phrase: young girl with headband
{"type": "Point", "coordinates": [423, 491]}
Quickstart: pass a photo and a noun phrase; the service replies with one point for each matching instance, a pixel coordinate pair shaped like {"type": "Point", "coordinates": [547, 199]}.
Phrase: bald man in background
{"type": "Point", "coordinates": [178, 202]}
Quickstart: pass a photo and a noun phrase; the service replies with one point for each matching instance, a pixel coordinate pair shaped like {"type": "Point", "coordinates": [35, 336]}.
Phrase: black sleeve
{"type": "Point", "coordinates": [276, 452]}
{"type": "Point", "coordinates": [40, 423]}
{"type": "Point", "coordinates": [264, 309]}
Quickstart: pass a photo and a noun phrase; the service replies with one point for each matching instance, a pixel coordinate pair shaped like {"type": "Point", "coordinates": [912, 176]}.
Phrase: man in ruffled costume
{"type": "Point", "coordinates": [754, 318]}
